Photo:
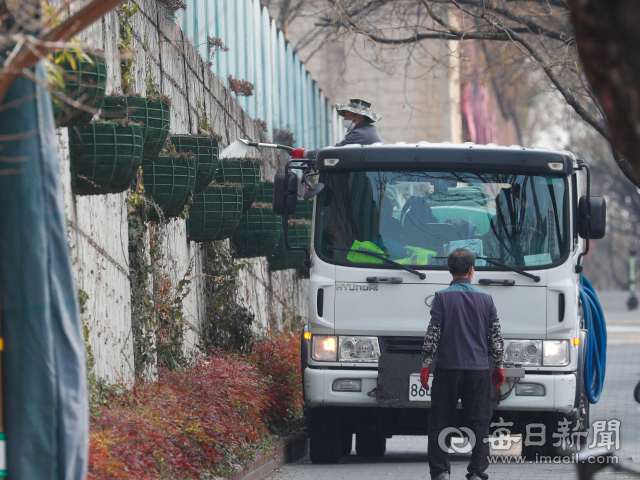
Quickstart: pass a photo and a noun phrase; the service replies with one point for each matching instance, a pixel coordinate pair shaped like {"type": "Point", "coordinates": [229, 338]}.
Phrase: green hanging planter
{"type": "Point", "coordinates": [299, 236]}
{"type": "Point", "coordinates": [169, 180]}
{"type": "Point", "coordinates": [105, 157]}
{"type": "Point", "coordinates": [265, 192]}
{"type": "Point", "coordinates": [83, 84]}
{"type": "Point", "coordinates": [304, 210]}
{"type": "Point", "coordinates": [258, 232]}
{"type": "Point", "coordinates": [245, 171]}
{"type": "Point", "coordinates": [152, 113]}
{"type": "Point", "coordinates": [214, 213]}
{"type": "Point", "coordinates": [206, 150]}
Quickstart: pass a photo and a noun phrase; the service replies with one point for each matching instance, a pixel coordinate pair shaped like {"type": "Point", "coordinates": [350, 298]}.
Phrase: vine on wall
{"type": "Point", "coordinates": [142, 310]}
{"type": "Point", "coordinates": [168, 301]}
{"type": "Point", "coordinates": [127, 62]}
{"type": "Point", "coordinates": [228, 323]}
{"type": "Point", "coordinates": [157, 316]}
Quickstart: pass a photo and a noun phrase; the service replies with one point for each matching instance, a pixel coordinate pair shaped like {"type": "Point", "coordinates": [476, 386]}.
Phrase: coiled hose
{"type": "Point", "coordinates": [595, 362]}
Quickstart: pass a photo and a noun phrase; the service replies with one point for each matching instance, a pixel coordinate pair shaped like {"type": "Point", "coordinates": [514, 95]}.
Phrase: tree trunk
{"type": "Point", "coordinates": [608, 40]}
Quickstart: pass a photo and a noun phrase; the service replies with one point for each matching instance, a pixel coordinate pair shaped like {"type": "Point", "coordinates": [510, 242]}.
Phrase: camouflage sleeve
{"type": "Point", "coordinates": [431, 342]}
{"type": "Point", "coordinates": [496, 343]}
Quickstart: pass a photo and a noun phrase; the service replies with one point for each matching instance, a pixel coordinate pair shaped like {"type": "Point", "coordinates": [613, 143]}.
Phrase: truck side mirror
{"type": "Point", "coordinates": [285, 193]}
{"type": "Point", "coordinates": [595, 229]}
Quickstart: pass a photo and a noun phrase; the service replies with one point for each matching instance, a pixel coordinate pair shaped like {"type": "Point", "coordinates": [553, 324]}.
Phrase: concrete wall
{"type": "Point", "coordinates": [98, 226]}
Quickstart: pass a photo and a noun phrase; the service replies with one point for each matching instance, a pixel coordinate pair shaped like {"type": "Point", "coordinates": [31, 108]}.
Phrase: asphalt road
{"type": "Point", "coordinates": [406, 457]}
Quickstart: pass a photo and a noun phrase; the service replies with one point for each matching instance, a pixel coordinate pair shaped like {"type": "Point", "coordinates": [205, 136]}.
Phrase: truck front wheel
{"type": "Point", "coordinates": [324, 436]}
{"type": "Point", "coordinates": [371, 444]}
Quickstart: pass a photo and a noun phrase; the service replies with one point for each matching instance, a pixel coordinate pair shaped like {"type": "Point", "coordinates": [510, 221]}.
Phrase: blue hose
{"type": "Point", "coordinates": [595, 362]}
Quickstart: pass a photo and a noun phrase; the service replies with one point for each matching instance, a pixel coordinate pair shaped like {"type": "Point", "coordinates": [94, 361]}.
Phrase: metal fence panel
{"type": "Point", "coordinates": [285, 96]}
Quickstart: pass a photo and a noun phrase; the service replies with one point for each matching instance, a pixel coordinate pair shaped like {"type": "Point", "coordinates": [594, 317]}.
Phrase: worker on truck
{"type": "Point", "coordinates": [463, 321]}
{"type": "Point", "coordinates": [358, 119]}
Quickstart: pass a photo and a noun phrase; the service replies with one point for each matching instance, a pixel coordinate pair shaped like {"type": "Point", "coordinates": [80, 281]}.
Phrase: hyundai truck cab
{"type": "Point", "coordinates": [384, 222]}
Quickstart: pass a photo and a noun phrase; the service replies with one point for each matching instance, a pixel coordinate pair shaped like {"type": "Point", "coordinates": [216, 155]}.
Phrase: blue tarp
{"type": "Point", "coordinates": [43, 363]}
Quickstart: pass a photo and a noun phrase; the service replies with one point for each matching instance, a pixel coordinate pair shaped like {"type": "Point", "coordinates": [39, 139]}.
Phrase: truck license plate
{"type": "Point", "coordinates": [416, 392]}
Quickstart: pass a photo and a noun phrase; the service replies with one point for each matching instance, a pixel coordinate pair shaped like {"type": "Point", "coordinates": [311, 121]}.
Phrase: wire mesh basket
{"type": "Point", "coordinates": [152, 113]}
{"type": "Point", "coordinates": [169, 180]}
{"type": "Point", "coordinates": [265, 192]}
{"type": "Point", "coordinates": [83, 84]}
{"type": "Point", "coordinates": [258, 232]}
{"type": "Point", "coordinates": [245, 171]}
{"type": "Point", "coordinates": [214, 213]}
{"type": "Point", "coordinates": [206, 150]}
{"type": "Point", "coordinates": [105, 157]}
{"type": "Point", "coordinates": [299, 236]}
{"type": "Point", "coordinates": [304, 210]}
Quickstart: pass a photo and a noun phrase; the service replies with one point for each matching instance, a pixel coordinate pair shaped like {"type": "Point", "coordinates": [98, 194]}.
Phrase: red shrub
{"type": "Point", "coordinates": [201, 419]}
{"type": "Point", "coordinates": [278, 360]}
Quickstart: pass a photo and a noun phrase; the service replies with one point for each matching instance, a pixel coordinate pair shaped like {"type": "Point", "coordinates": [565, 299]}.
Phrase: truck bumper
{"type": "Point", "coordinates": [560, 391]}
{"type": "Point", "coordinates": [318, 388]}
{"type": "Point", "coordinates": [560, 394]}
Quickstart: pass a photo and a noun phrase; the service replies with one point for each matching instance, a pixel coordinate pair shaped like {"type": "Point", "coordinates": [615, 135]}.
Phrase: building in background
{"type": "Point", "coordinates": [432, 90]}
{"type": "Point", "coordinates": [416, 88]}
{"type": "Point", "coordinates": [286, 96]}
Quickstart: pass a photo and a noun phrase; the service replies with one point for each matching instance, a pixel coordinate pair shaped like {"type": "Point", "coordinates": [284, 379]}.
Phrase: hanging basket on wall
{"type": "Point", "coordinates": [105, 157]}
{"type": "Point", "coordinates": [83, 84]}
{"type": "Point", "coordinates": [245, 171]}
{"type": "Point", "coordinates": [304, 210]}
{"type": "Point", "coordinates": [258, 231]}
{"type": "Point", "coordinates": [206, 150]}
{"type": "Point", "coordinates": [153, 113]}
{"type": "Point", "coordinates": [215, 213]}
{"type": "Point", "coordinates": [299, 236]}
{"type": "Point", "coordinates": [265, 192]}
{"type": "Point", "coordinates": [169, 180]}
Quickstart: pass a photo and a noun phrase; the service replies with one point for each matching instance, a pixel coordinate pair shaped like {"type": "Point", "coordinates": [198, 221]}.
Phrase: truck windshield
{"type": "Point", "coordinates": [417, 218]}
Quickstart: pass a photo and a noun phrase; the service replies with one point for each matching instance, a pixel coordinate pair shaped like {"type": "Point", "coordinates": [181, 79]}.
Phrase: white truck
{"type": "Point", "coordinates": [385, 218]}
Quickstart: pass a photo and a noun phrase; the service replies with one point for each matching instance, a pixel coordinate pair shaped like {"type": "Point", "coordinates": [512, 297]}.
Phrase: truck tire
{"type": "Point", "coordinates": [324, 436]}
{"type": "Point", "coordinates": [346, 443]}
{"type": "Point", "coordinates": [371, 444]}
{"type": "Point", "coordinates": [636, 393]}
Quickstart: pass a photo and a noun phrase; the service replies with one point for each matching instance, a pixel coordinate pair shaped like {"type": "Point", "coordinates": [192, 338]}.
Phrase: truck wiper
{"type": "Point", "coordinates": [383, 258]}
{"type": "Point", "coordinates": [535, 278]}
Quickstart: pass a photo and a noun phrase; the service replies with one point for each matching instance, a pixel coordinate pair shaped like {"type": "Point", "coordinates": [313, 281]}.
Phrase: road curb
{"type": "Point", "coordinates": [287, 451]}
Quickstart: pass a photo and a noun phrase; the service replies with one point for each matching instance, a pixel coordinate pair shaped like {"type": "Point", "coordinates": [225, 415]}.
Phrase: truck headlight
{"type": "Point", "coordinates": [555, 353]}
{"type": "Point", "coordinates": [359, 349]}
{"type": "Point", "coordinates": [523, 352]}
{"type": "Point", "coordinates": [324, 348]}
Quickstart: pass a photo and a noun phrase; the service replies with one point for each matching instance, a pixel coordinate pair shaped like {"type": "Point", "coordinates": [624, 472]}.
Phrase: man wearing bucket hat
{"type": "Point", "coordinates": [358, 119]}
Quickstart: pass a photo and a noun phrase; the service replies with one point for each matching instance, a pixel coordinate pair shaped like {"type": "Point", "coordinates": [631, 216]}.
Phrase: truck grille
{"type": "Point", "coordinates": [406, 345]}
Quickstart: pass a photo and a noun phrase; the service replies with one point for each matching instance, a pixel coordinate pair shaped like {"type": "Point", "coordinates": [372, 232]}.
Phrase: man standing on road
{"type": "Point", "coordinates": [358, 119]}
{"type": "Point", "coordinates": [464, 321]}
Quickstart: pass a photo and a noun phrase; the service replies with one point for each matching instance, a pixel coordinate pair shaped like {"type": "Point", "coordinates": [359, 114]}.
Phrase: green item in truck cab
{"type": "Point", "coordinates": [356, 257]}
{"type": "Point", "coordinates": [419, 256]}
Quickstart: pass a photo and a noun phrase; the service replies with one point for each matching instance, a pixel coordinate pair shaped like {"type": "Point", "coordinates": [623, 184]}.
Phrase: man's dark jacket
{"type": "Point", "coordinates": [362, 134]}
